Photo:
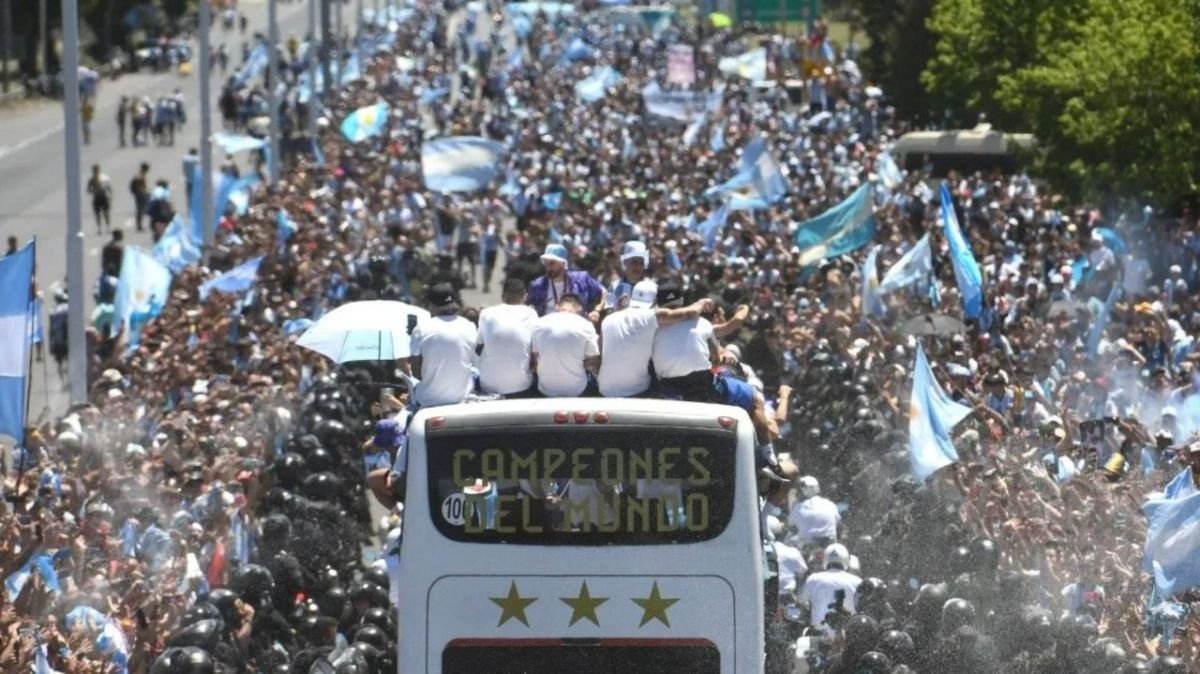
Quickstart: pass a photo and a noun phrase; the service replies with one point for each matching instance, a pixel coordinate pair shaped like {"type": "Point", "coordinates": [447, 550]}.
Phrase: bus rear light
{"type": "Point", "coordinates": [581, 417]}
{"type": "Point", "coordinates": [600, 417]}
{"type": "Point", "coordinates": [560, 417]}
{"type": "Point", "coordinates": [726, 422]}
{"type": "Point", "coordinates": [435, 422]}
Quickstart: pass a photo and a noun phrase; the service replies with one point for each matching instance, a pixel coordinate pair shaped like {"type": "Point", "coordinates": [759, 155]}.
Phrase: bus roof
{"type": "Point", "coordinates": [980, 140]}
{"type": "Point", "coordinates": [579, 412]}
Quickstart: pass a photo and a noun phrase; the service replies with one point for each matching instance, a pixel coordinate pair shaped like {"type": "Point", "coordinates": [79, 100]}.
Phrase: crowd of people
{"type": "Point", "coordinates": [206, 509]}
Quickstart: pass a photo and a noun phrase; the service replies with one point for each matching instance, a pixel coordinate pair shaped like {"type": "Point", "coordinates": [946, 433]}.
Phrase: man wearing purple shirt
{"type": "Point", "coordinates": [545, 291]}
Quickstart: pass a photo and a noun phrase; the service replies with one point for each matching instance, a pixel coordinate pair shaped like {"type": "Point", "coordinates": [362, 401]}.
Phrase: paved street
{"type": "Point", "coordinates": [32, 196]}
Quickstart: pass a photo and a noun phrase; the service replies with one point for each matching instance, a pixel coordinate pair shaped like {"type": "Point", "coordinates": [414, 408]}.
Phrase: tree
{"type": "Point", "coordinates": [901, 45]}
{"type": "Point", "coordinates": [981, 42]}
{"type": "Point", "coordinates": [1116, 110]}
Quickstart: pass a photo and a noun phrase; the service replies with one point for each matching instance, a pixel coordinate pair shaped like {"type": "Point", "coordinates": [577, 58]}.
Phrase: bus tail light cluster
{"type": "Point", "coordinates": [563, 417]}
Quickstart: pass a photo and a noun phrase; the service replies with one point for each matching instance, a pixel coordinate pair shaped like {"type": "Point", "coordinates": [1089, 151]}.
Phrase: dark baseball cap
{"type": "Point", "coordinates": [669, 293]}
{"type": "Point", "coordinates": [441, 296]}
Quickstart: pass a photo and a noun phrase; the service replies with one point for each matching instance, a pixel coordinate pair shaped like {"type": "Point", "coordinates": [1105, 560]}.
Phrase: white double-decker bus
{"type": "Point", "coordinates": [581, 535]}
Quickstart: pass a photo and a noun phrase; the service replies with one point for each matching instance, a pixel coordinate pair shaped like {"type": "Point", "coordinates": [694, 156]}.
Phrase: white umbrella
{"type": "Point", "coordinates": [372, 330]}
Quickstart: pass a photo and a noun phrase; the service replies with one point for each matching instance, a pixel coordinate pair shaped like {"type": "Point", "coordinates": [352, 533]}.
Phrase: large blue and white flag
{"type": "Point", "coordinates": [142, 288]}
{"type": "Point", "coordinates": [751, 65]}
{"type": "Point", "coordinates": [460, 163]}
{"type": "Point", "coordinates": [234, 192]}
{"type": "Point", "coordinates": [366, 122]}
{"type": "Point", "coordinates": [594, 87]}
{"type": "Point", "coordinates": [872, 299]}
{"type": "Point", "coordinates": [932, 416]}
{"type": "Point", "coordinates": [43, 564]}
{"type": "Point", "coordinates": [16, 278]}
{"type": "Point", "coordinates": [966, 270]}
{"type": "Point", "coordinates": [888, 172]}
{"type": "Point", "coordinates": [712, 227]}
{"type": "Point", "coordinates": [178, 247]}
{"type": "Point", "coordinates": [233, 143]}
{"type": "Point", "coordinates": [112, 642]}
{"type": "Point", "coordinates": [255, 65]}
{"type": "Point", "coordinates": [844, 228]}
{"type": "Point", "coordinates": [1173, 543]}
{"type": "Point", "coordinates": [758, 183]}
{"type": "Point", "coordinates": [914, 267]}
{"type": "Point", "coordinates": [683, 106]}
{"type": "Point", "coordinates": [236, 280]}
{"type": "Point", "coordinates": [1097, 330]}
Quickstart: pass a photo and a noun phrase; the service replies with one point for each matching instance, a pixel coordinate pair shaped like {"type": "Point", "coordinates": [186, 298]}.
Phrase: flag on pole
{"type": "Point", "coordinates": [758, 183]}
{"type": "Point", "coordinates": [178, 247]}
{"type": "Point", "coordinates": [142, 288]}
{"type": "Point", "coordinates": [366, 122]}
{"type": "Point", "coordinates": [712, 227]}
{"type": "Point", "coordinates": [751, 65]}
{"type": "Point", "coordinates": [872, 300]}
{"type": "Point", "coordinates": [966, 270]}
{"type": "Point", "coordinates": [915, 266]}
{"type": "Point", "coordinates": [1173, 543]}
{"type": "Point", "coordinates": [236, 280]}
{"type": "Point", "coordinates": [460, 163]}
{"type": "Point", "coordinates": [932, 417]}
{"type": "Point", "coordinates": [844, 228]}
{"type": "Point", "coordinates": [16, 278]}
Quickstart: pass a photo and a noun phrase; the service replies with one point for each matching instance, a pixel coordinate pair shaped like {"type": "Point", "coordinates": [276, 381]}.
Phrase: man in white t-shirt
{"type": "Point", "coordinates": [814, 519]}
{"type": "Point", "coordinates": [565, 350]}
{"type": "Point", "coordinates": [822, 589]}
{"type": "Point", "coordinates": [684, 352]}
{"type": "Point", "coordinates": [628, 340]}
{"type": "Point", "coordinates": [505, 336]}
{"type": "Point", "coordinates": [443, 350]}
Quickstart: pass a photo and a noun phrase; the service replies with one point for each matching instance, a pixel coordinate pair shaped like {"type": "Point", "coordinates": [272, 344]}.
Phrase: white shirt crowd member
{"type": "Point", "coordinates": [821, 588]}
{"type": "Point", "coordinates": [565, 346]}
{"type": "Point", "coordinates": [446, 346]}
{"type": "Point", "coordinates": [683, 348]}
{"type": "Point", "coordinates": [814, 518]}
{"type": "Point", "coordinates": [506, 334]}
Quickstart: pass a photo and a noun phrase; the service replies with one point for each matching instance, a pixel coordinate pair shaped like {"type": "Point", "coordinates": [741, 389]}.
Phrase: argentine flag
{"type": "Point", "coordinates": [178, 246]}
{"type": "Point", "coordinates": [365, 123]}
{"type": "Point", "coordinates": [142, 288]}
{"type": "Point", "coordinates": [16, 278]}
{"type": "Point", "coordinates": [1173, 543]}
{"type": "Point", "coordinates": [914, 267]}
{"type": "Point", "coordinates": [749, 66]}
{"type": "Point", "coordinates": [236, 280]}
{"type": "Point", "coordinates": [932, 417]}
{"type": "Point", "coordinates": [460, 163]}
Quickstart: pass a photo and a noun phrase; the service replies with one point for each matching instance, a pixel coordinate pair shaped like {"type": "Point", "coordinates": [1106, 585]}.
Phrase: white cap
{"type": "Point", "coordinates": [635, 249]}
{"type": "Point", "coordinates": [809, 486]}
{"type": "Point", "coordinates": [644, 294]}
{"type": "Point", "coordinates": [1169, 411]}
{"type": "Point", "coordinates": [837, 554]}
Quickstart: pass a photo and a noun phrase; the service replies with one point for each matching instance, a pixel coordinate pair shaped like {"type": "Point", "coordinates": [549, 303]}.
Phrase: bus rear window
{"type": "Point", "coordinates": [593, 486]}
{"type": "Point", "coordinates": [544, 656]}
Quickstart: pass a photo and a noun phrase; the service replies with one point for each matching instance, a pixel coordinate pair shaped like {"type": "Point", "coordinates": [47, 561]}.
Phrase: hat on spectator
{"type": "Point", "coordinates": [1169, 411]}
{"type": "Point", "coordinates": [441, 296]}
{"type": "Point", "coordinates": [110, 376]}
{"type": "Point", "coordinates": [644, 295]}
{"type": "Point", "coordinates": [635, 250]}
{"type": "Point", "coordinates": [669, 293]}
{"type": "Point", "coordinates": [555, 252]}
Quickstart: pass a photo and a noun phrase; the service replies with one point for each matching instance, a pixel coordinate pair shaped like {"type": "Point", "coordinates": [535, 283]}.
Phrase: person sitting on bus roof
{"type": "Point", "coordinates": [566, 353]}
{"type": "Point", "coordinates": [505, 333]}
{"type": "Point", "coordinates": [684, 352]}
{"type": "Point", "coordinates": [547, 290]}
{"type": "Point", "coordinates": [443, 352]}
{"type": "Point", "coordinates": [635, 261]}
{"type": "Point", "coordinates": [627, 340]}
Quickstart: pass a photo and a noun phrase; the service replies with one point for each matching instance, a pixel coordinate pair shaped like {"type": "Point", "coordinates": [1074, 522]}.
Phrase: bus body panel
{"type": "Point", "coordinates": [463, 595]}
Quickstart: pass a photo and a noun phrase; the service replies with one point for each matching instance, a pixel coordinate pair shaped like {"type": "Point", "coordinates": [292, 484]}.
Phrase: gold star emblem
{"type": "Point", "coordinates": [655, 606]}
{"type": "Point", "coordinates": [583, 606]}
{"type": "Point", "coordinates": [513, 605]}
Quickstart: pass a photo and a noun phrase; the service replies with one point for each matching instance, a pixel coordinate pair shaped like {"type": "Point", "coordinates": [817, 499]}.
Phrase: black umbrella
{"type": "Point", "coordinates": [933, 324]}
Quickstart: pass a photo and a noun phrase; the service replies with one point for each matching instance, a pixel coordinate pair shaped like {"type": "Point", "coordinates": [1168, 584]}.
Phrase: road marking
{"type": "Point", "coordinates": [36, 138]}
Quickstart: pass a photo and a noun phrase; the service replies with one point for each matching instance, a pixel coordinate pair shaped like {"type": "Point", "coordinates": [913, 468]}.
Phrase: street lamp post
{"type": "Point", "coordinates": [273, 94]}
{"type": "Point", "coordinates": [205, 177]}
{"type": "Point", "coordinates": [77, 339]}
{"type": "Point", "coordinates": [311, 61]}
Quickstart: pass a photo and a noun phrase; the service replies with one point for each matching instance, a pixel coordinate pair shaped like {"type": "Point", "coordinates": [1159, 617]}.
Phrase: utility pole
{"type": "Point", "coordinates": [336, 84]}
{"type": "Point", "coordinates": [6, 39]}
{"type": "Point", "coordinates": [273, 94]}
{"type": "Point", "coordinates": [206, 169]}
{"type": "Point", "coordinates": [43, 57]}
{"type": "Point", "coordinates": [326, 45]}
{"type": "Point", "coordinates": [76, 338]}
{"type": "Point", "coordinates": [311, 62]}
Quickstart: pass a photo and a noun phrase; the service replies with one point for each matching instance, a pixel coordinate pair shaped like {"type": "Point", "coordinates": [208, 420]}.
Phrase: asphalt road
{"type": "Point", "coordinates": [32, 193]}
